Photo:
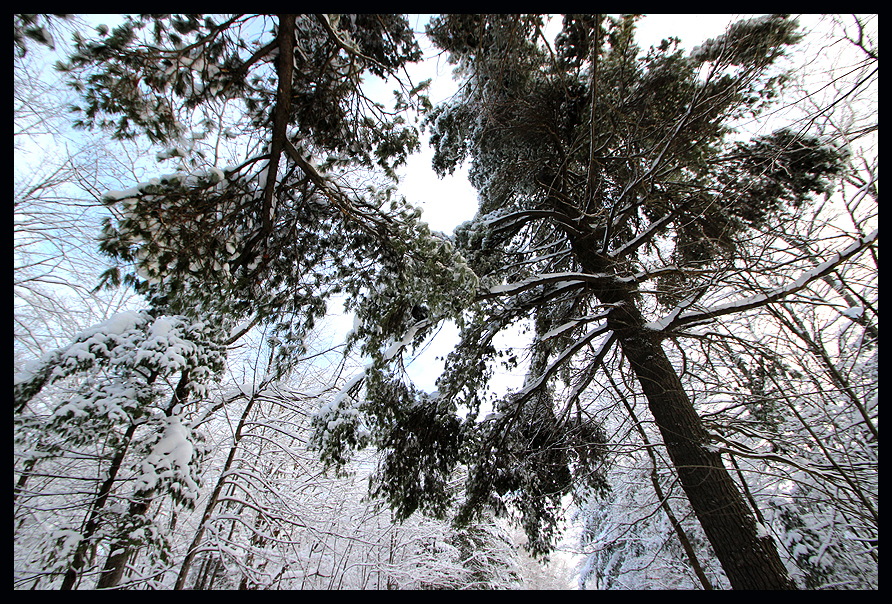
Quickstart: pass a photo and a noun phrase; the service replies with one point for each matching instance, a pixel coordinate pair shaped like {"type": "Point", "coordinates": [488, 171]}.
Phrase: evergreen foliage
{"type": "Point", "coordinates": [267, 240]}
{"type": "Point", "coordinates": [637, 243]}
{"type": "Point", "coordinates": [593, 162]}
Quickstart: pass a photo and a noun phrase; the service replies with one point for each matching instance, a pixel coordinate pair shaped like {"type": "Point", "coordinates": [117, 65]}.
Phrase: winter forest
{"type": "Point", "coordinates": [246, 357]}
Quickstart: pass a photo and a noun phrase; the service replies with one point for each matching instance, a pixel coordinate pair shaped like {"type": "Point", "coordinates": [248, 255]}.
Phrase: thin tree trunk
{"type": "Point", "coordinates": [113, 571]}
{"type": "Point", "coordinates": [23, 478]}
{"type": "Point", "coordinates": [116, 563]}
{"type": "Point", "coordinates": [212, 502]}
{"type": "Point", "coordinates": [77, 563]}
{"type": "Point", "coordinates": [202, 573]}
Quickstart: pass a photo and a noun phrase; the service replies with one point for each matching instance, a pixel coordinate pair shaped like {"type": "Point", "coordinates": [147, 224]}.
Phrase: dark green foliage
{"type": "Point", "coordinates": [210, 241]}
{"type": "Point", "coordinates": [385, 38]}
{"type": "Point", "coordinates": [751, 43]}
{"type": "Point", "coordinates": [301, 216]}
{"type": "Point", "coordinates": [523, 464]}
{"type": "Point", "coordinates": [35, 28]}
{"type": "Point", "coordinates": [463, 33]}
{"type": "Point", "coordinates": [577, 38]}
{"type": "Point", "coordinates": [192, 61]}
{"type": "Point", "coordinates": [778, 173]}
{"type": "Point", "coordinates": [420, 442]}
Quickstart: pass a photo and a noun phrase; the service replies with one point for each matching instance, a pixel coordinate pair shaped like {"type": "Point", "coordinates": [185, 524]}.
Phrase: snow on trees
{"type": "Point", "coordinates": [669, 276]}
{"type": "Point", "coordinates": [593, 159]}
{"type": "Point", "coordinates": [266, 241]}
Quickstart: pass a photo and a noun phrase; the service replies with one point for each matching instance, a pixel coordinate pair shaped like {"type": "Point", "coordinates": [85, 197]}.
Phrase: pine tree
{"type": "Point", "coordinates": [602, 174]}
{"type": "Point", "coordinates": [273, 236]}
{"type": "Point", "coordinates": [266, 240]}
{"type": "Point", "coordinates": [619, 211]}
{"type": "Point", "coordinates": [111, 387]}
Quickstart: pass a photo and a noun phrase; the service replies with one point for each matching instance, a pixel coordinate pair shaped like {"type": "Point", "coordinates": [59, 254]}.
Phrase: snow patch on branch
{"type": "Point", "coordinates": [170, 460]}
{"type": "Point", "coordinates": [561, 280]}
{"type": "Point", "coordinates": [559, 330]}
{"type": "Point", "coordinates": [407, 339]}
{"type": "Point", "coordinates": [855, 313]}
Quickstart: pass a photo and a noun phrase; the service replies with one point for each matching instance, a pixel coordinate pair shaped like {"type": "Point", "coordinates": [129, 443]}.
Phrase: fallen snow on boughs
{"type": "Point", "coordinates": [338, 426]}
{"type": "Point", "coordinates": [674, 319]}
{"type": "Point", "coordinates": [854, 313]}
{"type": "Point", "coordinates": [113, 360]}
{"type": "Point", "coordinates": [170, 460]}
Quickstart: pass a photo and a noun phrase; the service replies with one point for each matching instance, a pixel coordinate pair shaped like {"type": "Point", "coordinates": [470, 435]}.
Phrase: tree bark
{"type": "Point", "coordinates": [750, 561]}
{"type": "Point", "coordinates": [116, 563]}
{"type": "Point", "coordinates": [212, 501]}
{"type": "Point", "coordinates": [661, 497]}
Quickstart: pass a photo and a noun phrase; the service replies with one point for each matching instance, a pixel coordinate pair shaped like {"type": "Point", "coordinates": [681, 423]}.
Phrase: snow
{"type": "Point", "coordinates": [169, 459]}
{"type": "Point", "coordinates": [212, 174]}
{"type": "Point", "coordinates": [559, 330]}
{"type": "Point", "coordinates": [771, 296]}
{"type": "Point", "coordinates": [856, 312]}
{"type": "Point", "coordinates": [119, 195]}
{"type": "Point", "coordinates": [165, 347]}
{"type": "Point", "coordinates": [761, 531]}
{"type": "Point", "coordinates": [168, 153]}
{"type": "Point", "coordinates": [127, 340]}
{"type": "Point", "coordinates": [68, 539]}
{"type": "Point", "coordinates": [560, 279]}
{"type": "Point", "coordinates": [217, 173]}
{"type": "Point", "coordinates": [668, 319]}
{"type": "Point", "coordinates": [397, 346]}
{"type": "Point", "coordinates": [95, 339]}
{"type": "Point", "coordinates": [333, 404]}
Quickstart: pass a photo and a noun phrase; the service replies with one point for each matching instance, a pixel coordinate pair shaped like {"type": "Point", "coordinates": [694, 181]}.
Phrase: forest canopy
{"type": "Point", "coordinates": [674, 251]}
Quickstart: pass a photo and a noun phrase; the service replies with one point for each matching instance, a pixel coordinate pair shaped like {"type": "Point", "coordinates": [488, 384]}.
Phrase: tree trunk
{"type": "Point", "coordinates": [77, 562]}
{"type": "Point", "coordinates": [661, 497]}
{"type": "Point", "coordinates": [750, 561]}
{"type": "Point", "coordinates": [116, 563]}
{"type": "Point", "coordinates": [212, 501]}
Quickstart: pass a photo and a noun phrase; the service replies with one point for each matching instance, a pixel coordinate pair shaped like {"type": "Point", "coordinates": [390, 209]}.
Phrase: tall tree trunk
{"type": "Point", "coordinates": [661, 497]}
{"type": "Point", "coordinates": [750, 560]}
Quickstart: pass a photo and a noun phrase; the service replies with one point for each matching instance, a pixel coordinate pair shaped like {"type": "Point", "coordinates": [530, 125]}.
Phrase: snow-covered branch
{"type": "Point", "coordinates": [563, 357]}
{"type": "Point", "coordinates": [564, 280]}
{"type": "Point", "coordinates": [674, 320]}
